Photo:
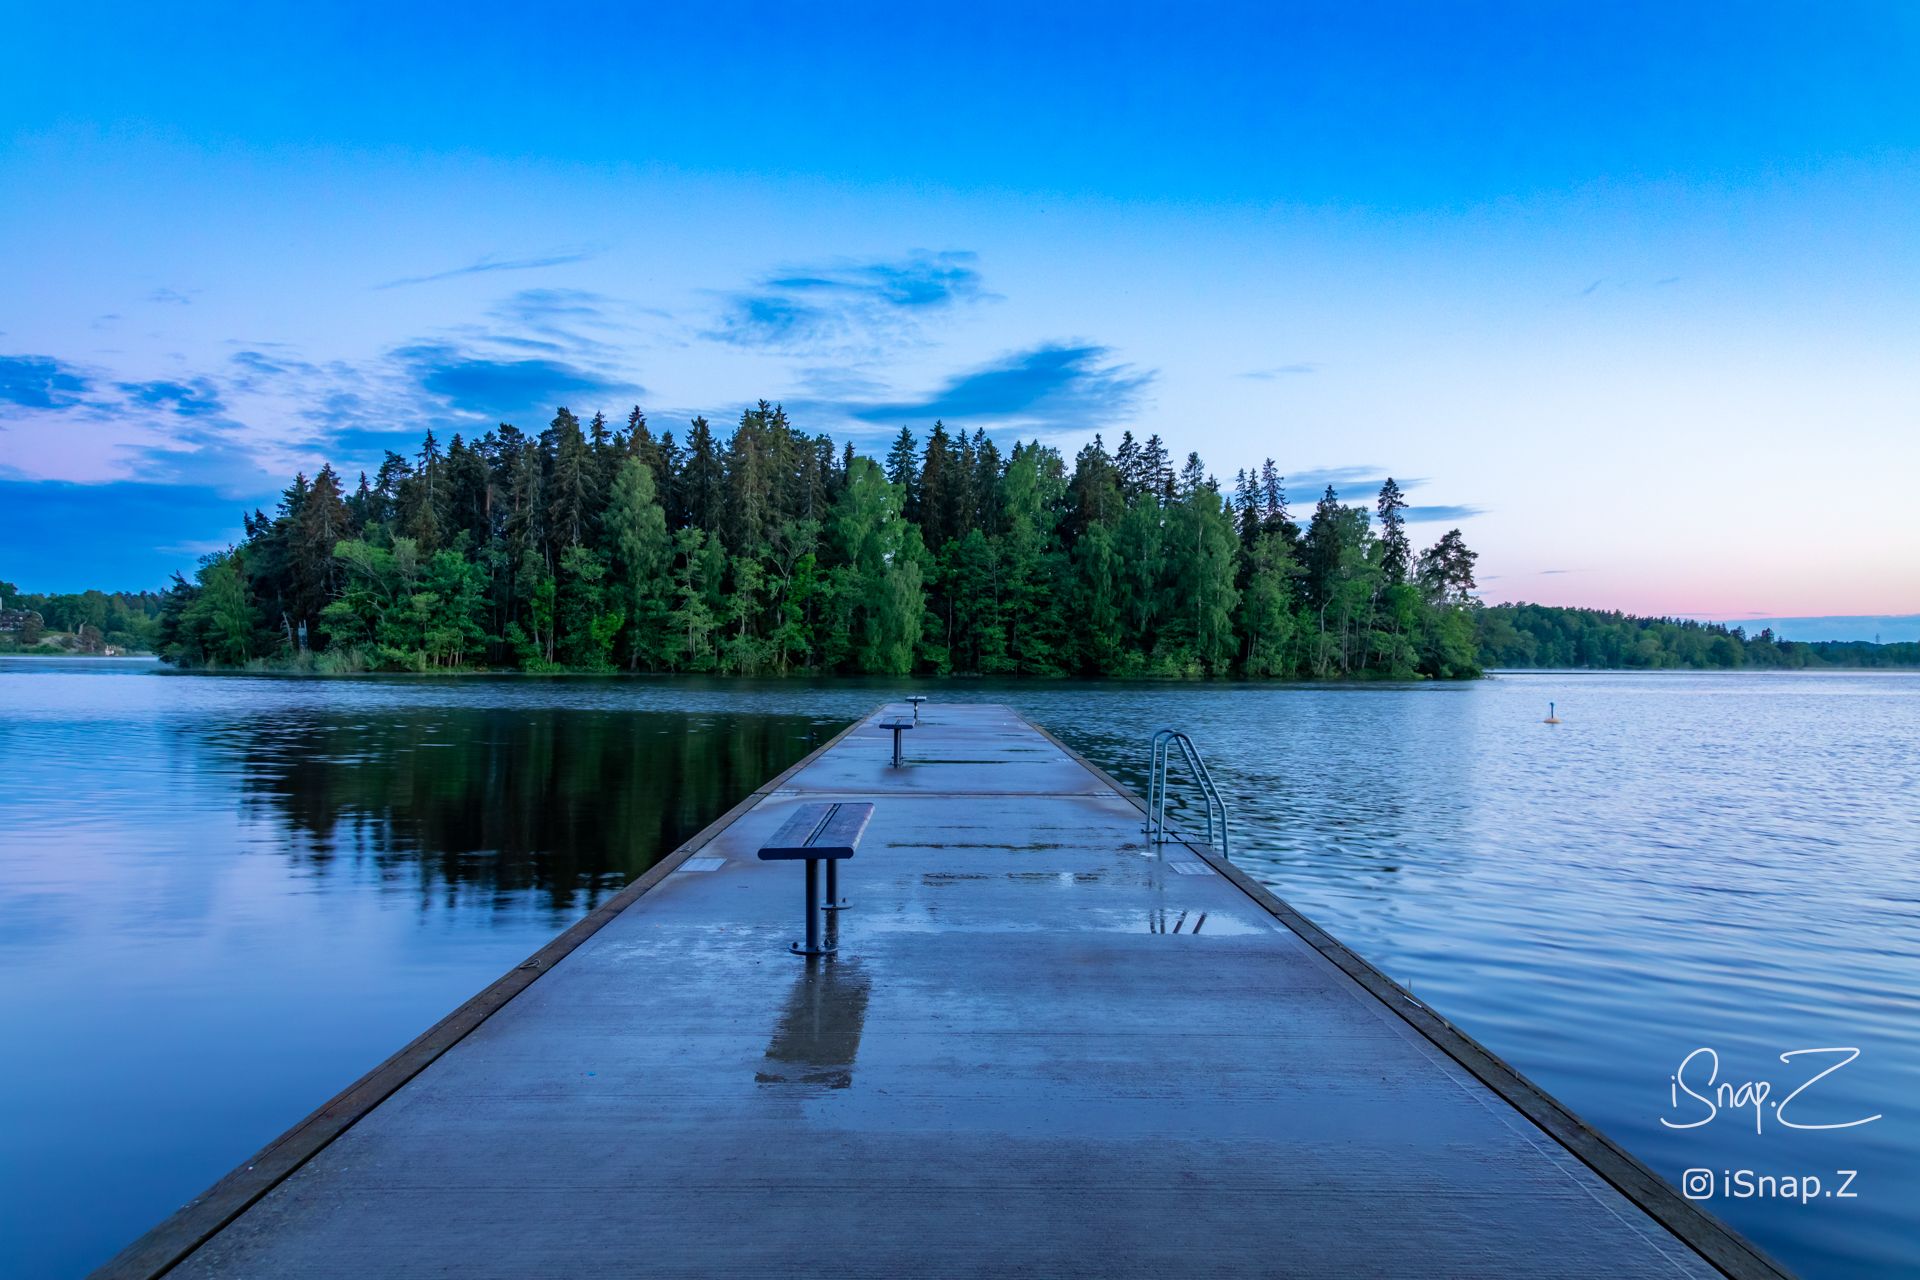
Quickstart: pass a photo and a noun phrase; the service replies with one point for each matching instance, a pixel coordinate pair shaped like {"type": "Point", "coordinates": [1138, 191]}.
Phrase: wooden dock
{"type": "Point", "coordinates": [1043, 1048]}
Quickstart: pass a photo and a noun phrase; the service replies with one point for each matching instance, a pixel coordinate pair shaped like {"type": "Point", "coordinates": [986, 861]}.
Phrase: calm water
{"type": "Point", "coordinates": [221, 900]}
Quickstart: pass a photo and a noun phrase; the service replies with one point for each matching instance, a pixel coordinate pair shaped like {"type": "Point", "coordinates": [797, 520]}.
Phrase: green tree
{"type": "Point", "coordinates": [221, 614]}
{"type": "Point", "coordinates": [1396, 556]}
{"type": "Point", "coordinates": [1267, 619]}
{"type": "Point", "coordinates": [587, 623]}
{"type": "Point", "coordinates": [642, 551]}
{"type": "Point", "coordinates": [903, 472]}
{"type": "Point", "coordinates": [699, 565]}
{"type": "Point", "coordinates": [881, 584]}
{"type": "Point", "coordinates": [572, 492]}
{"type": "Point", "coordinates": [702, 479]}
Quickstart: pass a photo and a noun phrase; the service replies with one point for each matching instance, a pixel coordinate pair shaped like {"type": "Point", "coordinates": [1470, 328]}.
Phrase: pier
{"type": "Point", "coordinates": [1042, 1046]}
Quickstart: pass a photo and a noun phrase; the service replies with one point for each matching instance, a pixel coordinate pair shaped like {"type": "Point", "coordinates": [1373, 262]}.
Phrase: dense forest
{"type": "Point", "coordinates": [86, 622]}
{"type": "Point", "coordinates": [600, 548]}
{"type": "Point", "coordinates": [595, 547]}
{"type": "Point", "coordinates": [1533, 635]}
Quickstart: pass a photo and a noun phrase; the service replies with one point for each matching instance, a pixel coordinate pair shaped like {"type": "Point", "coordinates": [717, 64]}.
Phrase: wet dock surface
{"type": "Point", "coordinates": [1042, 1048]}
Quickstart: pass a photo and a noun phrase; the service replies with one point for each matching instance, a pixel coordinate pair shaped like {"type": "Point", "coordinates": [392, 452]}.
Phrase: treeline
{"type": "Point", "coordinates": [1532, 635]}
{"type": "Point", "coordinates": [81, 622]}
{"type": "Point", "coordinates": [600, 548]}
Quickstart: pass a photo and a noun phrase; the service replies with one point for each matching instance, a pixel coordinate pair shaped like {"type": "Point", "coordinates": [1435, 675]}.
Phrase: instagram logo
{"type": "Point", "coordinates": [1697, 1184]}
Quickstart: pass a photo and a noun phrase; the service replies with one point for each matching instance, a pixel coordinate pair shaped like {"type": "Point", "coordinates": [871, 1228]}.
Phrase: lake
{"type": "Point", "coordinates": [222, 899]}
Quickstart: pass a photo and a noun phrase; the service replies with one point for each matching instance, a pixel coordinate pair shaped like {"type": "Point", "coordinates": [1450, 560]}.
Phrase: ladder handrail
{"type": "Point", "coordinates": [1161, 752]}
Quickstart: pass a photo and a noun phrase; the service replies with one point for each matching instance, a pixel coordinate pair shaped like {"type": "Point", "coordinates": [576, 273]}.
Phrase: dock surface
{"type": "Point", "coordinates": [1043, 1049]}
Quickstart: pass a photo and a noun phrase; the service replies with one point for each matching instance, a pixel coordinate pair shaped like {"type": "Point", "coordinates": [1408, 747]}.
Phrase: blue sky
{"type": "Point", "coordinates": [1632, 293]}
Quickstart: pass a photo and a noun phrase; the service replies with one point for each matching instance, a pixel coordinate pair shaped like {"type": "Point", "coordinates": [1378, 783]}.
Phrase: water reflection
{"type": "Point", "coordinates": [495, 803]}
{"type": "Point", "coordinates": [818, 1035]}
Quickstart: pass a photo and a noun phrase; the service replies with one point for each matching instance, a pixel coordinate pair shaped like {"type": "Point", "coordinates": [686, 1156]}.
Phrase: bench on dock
{"type": "Point", "coordinates": [899, 727]}
{"type": "Point", "coordinates": [819, 833]}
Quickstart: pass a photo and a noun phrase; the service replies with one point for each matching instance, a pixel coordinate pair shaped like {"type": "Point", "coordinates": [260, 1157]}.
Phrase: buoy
{"type": "Point", "coordinates": [1551, 718]}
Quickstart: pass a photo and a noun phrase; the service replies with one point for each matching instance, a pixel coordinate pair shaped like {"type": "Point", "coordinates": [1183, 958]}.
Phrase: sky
{"type": "Point", "coordinates": [1628, 293]}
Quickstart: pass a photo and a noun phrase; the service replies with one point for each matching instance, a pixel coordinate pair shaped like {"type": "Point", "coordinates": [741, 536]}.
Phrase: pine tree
{"type": "Point", "coordinates": [1126, 464]}
{"type": "Point", "coordinates": [986, 484]}
{"type": "Point", "coordinates": [1446, 570]}
{"type": "Point", "coordinates": [966, 488]}
{"type": "Point", "coordinates": [1156, 470]}
{"type": "Point", "coordinates": [670, 481]}
{"type": "Point", "coordinates": [573, 493]}
{"type": "Point", "coordinates": [1193, 477]}
{"type": "Point", "coordinates": [1396, 557]}
{"type": "Point", "coordinates": [393, 473]}
{"type": "Point", "coordinates": [1246, 502]}
{"type": "Point", "coordinates": [600, 444]}
{"type": "Point", "coordinates": [1273, 499]}
{"type": "Point", "coordinates": [469, 502]}
{"type": "Point", "coordinates": [703, 478]}
{"type": "Point", "coordinates": [903, 472]}
{"type": "Point", "coordinates": [936, 511]}
{"type": "Point", "coordinates": [322, 524]}
{"type": "Point", "coordinates": [423, 497]}
{"type": "Point", "coordinates": [1093, 495]}
{"type": "Point", "coordinates": [750, 483]}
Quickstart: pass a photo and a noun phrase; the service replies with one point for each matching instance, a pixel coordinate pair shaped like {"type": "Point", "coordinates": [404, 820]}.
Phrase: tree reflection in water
{"type": "Point", "coordinates": [551, 806]}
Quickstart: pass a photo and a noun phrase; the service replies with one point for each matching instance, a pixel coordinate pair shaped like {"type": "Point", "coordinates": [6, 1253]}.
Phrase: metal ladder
{"type": "Point", "coordinates": [1158, 832]}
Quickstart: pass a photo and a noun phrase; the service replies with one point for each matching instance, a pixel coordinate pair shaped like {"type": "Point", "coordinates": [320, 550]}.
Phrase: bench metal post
{"type": "Point", "coordinates": [813, 914]}
{"type": "Point", "coordinates": [834, 901]}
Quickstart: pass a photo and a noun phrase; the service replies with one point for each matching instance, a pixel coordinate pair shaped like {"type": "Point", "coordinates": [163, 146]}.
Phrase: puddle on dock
{"type": "Point", "coordinates": [818, 1035]}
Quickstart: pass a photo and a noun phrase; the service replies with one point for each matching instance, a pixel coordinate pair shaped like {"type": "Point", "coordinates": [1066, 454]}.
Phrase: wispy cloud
{"type": "Point", "coordinates": [1439, 512]}
{"type": "Point", "coordinates": [1625, 286]}
{"type": "Point", "coordinates": [1052, 386]}
{"type": "Point", "coordinates": [40, 382]}
{"type": "Point", "coordinates": [500, 389]}
{"type": "Point", "coordinates": [494, 262]}
{"type": "Point", "coordinates": [1358, 486]}
{"type": "Point", "coordinates": [1346, 480]}
{"type": "Point", "coordinates": [197, 399]}
{"type": "Point", "coordinates": [574, 321]}
{"type": "Point", "coordinates": [247, 420]}
{"type": "Point", "coordinates": [172, 297]}
{"type": "Point", "coordinates": [197, 547]}
{"type": "Point", "coordinates": [1282, 371]}
{"type": "Point", "coordinates": [860, 304]}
